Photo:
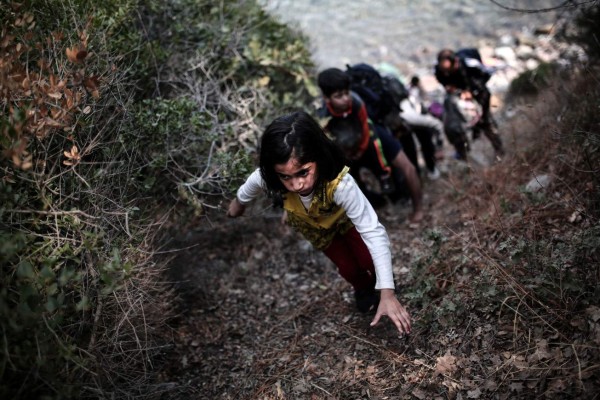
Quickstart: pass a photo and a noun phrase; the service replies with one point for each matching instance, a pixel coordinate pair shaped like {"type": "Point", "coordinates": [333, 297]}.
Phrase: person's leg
{"type": "Point", "coordinates": [402, 193]}
{"type": "Point", "coordinates": [425, 137]}
{"type": "Point", "coordinates": [353, 260]}
{"type": "Point", "coordinates": [393, 151]}
{"type": "Point", "coordinates": [426, 128]}
{"type": "Point", "coordinates": [410, 149]}
{"type": "Point", "coordinates": [401, 130]}
{"type": "Point", "coordinates": [454, 127]}
{"type": "Point", "coordinates": [487, 124]}
{"type": "Point", "coordinates": [460, 143]}
{"type": "Point", "coordinates": [414, 185]}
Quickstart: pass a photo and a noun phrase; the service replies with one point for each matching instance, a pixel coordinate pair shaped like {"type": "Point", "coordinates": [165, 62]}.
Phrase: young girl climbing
{"type": "Point", "coordinates": [303, 168]}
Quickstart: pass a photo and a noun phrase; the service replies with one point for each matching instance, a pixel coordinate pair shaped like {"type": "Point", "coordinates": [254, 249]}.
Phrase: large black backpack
{"type": "Point", "coordinates": [469, 52]}
{"type": "Point", "coordinates": [381, 94]}
{"type": "Point", "coordinates": [473, 53]}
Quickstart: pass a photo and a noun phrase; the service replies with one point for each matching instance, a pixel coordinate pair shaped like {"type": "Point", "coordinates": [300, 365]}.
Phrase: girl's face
{"type": "Point", "coordinates": [296, 177]}
{"type": "Point", "coordinates": [340, 101]}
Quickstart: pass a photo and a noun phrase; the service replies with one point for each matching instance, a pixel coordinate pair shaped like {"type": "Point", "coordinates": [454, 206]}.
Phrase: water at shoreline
{"type": "Point", "coordinates": [405, 33]}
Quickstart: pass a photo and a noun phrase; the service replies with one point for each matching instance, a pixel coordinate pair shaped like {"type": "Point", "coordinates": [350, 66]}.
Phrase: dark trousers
{"type": "Point", "coordinates": [486, 124]}
{"type": "Point", "coordinates": [425, 137]}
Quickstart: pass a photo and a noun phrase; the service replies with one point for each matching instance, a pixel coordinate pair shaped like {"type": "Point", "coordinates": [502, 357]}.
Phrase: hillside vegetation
{"type": "Point", "coordinates": [126, 124]}
{"type": "Point", "coordinates": [501, 278]}
{"type": "Point", "coordinates": [121, 120]}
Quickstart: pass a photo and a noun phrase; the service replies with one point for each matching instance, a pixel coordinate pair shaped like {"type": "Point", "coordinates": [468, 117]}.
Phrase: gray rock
{"type": "Point", "coordinates": [531, 64]}
{"type": "Point", "coordinates": [546, 55]}
{"type": "Point", "coordinates": [524, 51]}
{"type": "Point", "coordinates": [507, 54]}
{"type": "Point", "coordinates": [507, 40]}
{"type": "Point", "coordinates": [538, 183]}
{"type": "Point", "coordinates": [526, 38]}
{"type": "Point", "coordinates": [305, 245]}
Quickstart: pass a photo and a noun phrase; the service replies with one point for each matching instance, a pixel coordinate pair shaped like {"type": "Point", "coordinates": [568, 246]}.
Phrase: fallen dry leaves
{"type": "Point", "coordinates": [44, 100]}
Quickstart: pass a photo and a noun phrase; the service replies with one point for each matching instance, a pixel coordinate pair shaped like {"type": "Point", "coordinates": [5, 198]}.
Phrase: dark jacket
{"type": "Point", "coordinates": [470, 75]}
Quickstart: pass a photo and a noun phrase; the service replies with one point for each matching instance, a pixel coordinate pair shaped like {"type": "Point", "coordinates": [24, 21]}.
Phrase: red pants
{"type": "Point", "coordinates": [351, 255]}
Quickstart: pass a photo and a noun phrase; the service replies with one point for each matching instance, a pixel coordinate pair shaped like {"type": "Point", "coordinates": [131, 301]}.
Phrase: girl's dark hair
{"type": "Point", "coordinates": [298, 135]}
{"type": "Point", "coordinates": [332, 80]}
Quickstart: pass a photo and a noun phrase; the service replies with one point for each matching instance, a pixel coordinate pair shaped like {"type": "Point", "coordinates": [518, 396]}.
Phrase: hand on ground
{"type": "Point", "coordinates": [390, 306]}
{"type": "Point", "coordinates": [235, 208]}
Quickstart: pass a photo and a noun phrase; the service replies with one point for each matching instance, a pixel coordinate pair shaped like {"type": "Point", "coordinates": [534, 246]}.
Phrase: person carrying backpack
{"type": "Point", "coordinates": [346, 133]}
{"type": "Point", "coordinates": [388, 103]}
{"type": "Point", "coordinates": [462, 73]}
{"type": "Point", "coordinates": [340, 103]}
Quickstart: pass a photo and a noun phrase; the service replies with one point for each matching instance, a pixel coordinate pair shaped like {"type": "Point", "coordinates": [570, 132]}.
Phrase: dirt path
{"type": "Point", "coordinates": [263, 315]}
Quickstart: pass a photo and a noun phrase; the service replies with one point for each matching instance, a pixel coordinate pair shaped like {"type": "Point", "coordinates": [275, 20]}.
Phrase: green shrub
{"type": "Point", "coordinates": [112, 112]}
{"type": "Point", "coordinates": [585, 29]}
{"type": "Point", "coordinates": [532, 81]}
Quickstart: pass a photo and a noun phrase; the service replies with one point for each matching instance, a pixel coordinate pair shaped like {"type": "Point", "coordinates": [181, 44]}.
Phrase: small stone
{"type": "Point", "coordinates": [538, 183]}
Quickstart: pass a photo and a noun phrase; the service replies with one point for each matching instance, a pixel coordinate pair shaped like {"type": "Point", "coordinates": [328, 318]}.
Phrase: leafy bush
{"type": "Point", "coordinates": [224, 70]}
{"type": "Point", "coordinates": [72, 240]}
{"type": "Point", "coordinates": [586, 29]}
{"type": "Point", "coordinates": [111, 113]}
{"type": "Point", "coordinates": [532, 81]}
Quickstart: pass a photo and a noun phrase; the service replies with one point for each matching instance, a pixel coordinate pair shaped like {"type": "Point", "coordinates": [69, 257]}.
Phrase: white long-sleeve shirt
{"type": "Point", "coordinates": [358, 209]}
{"type": "Point", "coordinates": [413, 116]}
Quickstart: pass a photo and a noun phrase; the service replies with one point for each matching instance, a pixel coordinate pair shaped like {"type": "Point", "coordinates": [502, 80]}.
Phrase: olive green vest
{"type": "Point", "coordinates": [323, 220]}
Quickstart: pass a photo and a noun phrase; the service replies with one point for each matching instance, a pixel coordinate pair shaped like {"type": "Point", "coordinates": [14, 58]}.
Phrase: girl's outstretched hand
{"type": "Point", "coordinates": [390, 306]}
{"type": "Point", "coordinates": [235, 208]}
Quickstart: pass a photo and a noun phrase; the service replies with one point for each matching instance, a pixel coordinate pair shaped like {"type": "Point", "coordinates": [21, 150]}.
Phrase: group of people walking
{"type": "Point", "coordinates": [311, 165]}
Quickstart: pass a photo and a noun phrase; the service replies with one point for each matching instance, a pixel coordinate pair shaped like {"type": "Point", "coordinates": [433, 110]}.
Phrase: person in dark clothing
{"type": "Point", "coordinates": [341, 103]}
{"type": "Point", "coordinates": [463, 73]}
{"type": "Point", "coordinates": [382, 145]}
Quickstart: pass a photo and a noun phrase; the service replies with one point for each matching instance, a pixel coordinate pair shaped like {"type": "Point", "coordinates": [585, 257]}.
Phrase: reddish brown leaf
{"type": "Point", "coordinates": [58, 36]}
{"type": "Point", "coordinates": [91, 84]}
{"type": "Point", "coordinates": [6, 40]}
{"type": "Point", "coordinates": [83, 36]}
{"type": "Point", "coordinates": [72, 55]}
{"type": "Point", "coordinates": [49, 122]}
{"type": "Point", "coordinates": [82, 54]}
{"type": "Point", "coordinates": [76, 54]}
{"type": "Point", "coordinates": [445, 364]}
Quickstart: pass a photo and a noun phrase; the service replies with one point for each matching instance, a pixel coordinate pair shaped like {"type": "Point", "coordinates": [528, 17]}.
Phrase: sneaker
{"type": "Point", "coordinates": [434, 175]}
{"type": "Point", "coordinates": [366, 300]}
